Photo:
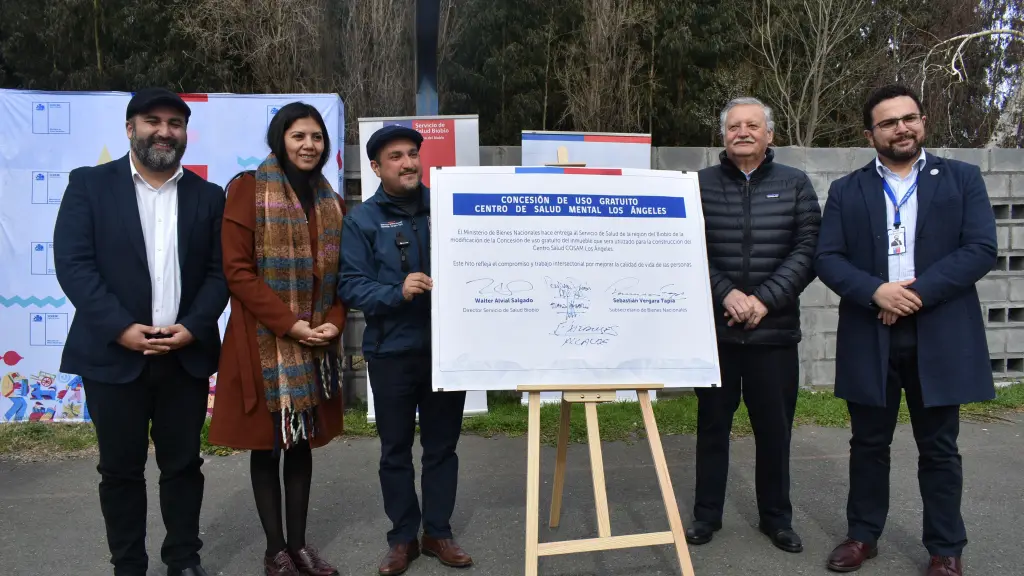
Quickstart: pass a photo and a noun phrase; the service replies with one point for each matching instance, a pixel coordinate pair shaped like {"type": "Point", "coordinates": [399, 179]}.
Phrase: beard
{"type": "Point", "coordinates": [156, 159]}
{"type": "Point", "coordinates": [408, 186]}
{"type": "Point", "coordinates": [890, 151]}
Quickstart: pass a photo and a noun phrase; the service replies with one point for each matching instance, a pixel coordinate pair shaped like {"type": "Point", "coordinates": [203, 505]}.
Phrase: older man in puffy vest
{"type": "Point", "coordinates": [761, 225]}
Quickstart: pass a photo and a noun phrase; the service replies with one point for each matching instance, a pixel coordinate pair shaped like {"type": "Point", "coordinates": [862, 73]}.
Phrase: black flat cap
{"type": "Point", "coordinates": [149, 98]}
{"type": "Point", "coordinates": [387, 134]}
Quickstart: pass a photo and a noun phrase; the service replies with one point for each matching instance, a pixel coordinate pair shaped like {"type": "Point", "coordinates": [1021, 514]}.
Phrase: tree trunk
{"type": "Point", "coordinates": [96, 35]}
{"type": "Point", "coordinates": [1010, 118]}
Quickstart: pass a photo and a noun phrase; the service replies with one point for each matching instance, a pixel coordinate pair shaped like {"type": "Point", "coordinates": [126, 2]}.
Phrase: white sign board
{"type": "Point", "coordinates": [574, 277]}
{"type": "Point", "coordinates": [595, 149]}
{"type": "Point", "coordinates": [447, 141]}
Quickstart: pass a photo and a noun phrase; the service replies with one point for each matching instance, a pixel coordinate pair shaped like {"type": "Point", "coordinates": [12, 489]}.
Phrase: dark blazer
{"type": "Point", "coordinates": [955, 247]}
{"type": "Point", "coordinates": [100, 258]}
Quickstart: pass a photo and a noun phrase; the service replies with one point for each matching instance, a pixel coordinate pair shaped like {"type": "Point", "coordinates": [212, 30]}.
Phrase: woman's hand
{"type": "Point", "coordinates": [322, 335]}
{"type": "Point", "coordinates": [300, 331]}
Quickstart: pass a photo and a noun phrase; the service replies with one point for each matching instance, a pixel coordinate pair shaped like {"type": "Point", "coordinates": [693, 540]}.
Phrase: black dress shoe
{"type": "Point", "coordinates": [702, 532]}
{"type": "Point", "coordinates": [783, 538]}
{"type": "Point", "coordinates": [193, 571]}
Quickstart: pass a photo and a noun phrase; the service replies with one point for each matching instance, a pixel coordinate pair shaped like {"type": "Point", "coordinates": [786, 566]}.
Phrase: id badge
{"type": "Point", "coordinates": [897, 241]}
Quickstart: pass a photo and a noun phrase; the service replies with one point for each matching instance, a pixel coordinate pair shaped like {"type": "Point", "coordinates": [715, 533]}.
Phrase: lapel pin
{"type": "Point", "coordinates": [934, 171]}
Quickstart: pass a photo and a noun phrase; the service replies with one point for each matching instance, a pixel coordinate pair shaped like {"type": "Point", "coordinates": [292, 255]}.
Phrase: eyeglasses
{"type": "Point", "coordinates": [890, 124]}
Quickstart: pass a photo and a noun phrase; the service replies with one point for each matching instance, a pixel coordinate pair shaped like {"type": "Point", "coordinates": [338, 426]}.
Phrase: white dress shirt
{"type": "Point", "coordinates": [901, 266]}
{"type": "Point", "coordinates": [158, 212]}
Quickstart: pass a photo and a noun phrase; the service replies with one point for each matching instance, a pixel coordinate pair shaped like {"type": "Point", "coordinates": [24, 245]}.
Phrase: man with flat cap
{"type": "Point", "coordinates": [137, 252]}
{"type": "Point", "coordinates": [385, 273]}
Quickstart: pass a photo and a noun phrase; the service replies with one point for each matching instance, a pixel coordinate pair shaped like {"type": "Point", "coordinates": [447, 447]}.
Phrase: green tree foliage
{"type": "Point", "coordinates": [660, 66]}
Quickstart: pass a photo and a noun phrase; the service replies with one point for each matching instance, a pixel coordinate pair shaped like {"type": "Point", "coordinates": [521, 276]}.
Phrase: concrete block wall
{"type": "Point", "coordinates": [1001, 291]}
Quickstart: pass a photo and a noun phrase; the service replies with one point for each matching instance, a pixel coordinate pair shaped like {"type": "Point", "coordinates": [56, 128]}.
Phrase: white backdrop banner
{"type": "Point", "coordinates": [45, 135]}
{"type": "Point", "coordinates": [447, 141]}
{"type": "Point", "coordinates": [570, 276]}
{"type": "Point", "coordinates": [595, 149]}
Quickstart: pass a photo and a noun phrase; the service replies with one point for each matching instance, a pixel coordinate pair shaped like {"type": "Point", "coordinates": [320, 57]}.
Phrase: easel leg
{"type": "Point", "coordinates": [533, 485]}
{"type": "Point", "coordinates": [604, 528]}
{"type": "Point", "coordinates": [563, 448]}
{"type": "Point", "coordinates": [665, 481]}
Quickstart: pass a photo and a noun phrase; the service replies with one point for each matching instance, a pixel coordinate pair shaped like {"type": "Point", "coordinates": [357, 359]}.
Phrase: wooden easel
{"type": "Point", "coordinates": [591, 396]}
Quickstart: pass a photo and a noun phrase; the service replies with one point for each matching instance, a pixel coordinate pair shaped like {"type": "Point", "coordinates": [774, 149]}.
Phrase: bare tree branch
{"type": "Point", "coordinates": [798, 44]}
{"type": "Point", "coordinates": [603, 73]}
{"type": "Point", "coordinates": [956, 53]}
{"type": "Point", "coordinates": [952, 50]}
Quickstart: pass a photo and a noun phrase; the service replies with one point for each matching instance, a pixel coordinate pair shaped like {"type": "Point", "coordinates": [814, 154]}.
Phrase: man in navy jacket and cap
{"type": "Point", "coordinates": [385, 273]}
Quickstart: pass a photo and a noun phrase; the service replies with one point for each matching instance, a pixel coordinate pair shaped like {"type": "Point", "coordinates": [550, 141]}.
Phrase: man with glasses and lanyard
{"type": "Point", "coordinates": [903, 241]}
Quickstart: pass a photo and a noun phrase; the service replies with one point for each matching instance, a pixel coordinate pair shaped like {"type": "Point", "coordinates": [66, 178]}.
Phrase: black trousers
{"type": "Point", "coordinates": [401, 385]}
{"type": "Point", "coordinates": [768, 379]}
{"type": "Point", "coordinates": [939, 467]}
{"type": "Point", "coordinates": [174, 403]}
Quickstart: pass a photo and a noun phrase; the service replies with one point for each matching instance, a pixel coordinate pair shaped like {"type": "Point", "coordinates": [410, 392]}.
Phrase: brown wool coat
{"type": "Point", "coordinates": [240, 418]}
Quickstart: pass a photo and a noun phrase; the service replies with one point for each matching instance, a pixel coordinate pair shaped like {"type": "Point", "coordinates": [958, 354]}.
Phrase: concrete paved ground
{"type": "Point", "coordinates": [50, 521]}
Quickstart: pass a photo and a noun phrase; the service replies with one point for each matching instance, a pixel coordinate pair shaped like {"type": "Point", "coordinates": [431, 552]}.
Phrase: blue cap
{"type": "Point", "coordinates": [387, 134]}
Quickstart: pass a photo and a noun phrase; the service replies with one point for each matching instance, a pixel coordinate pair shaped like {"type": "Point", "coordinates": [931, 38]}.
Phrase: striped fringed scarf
{"type": "Point", "coordinates": [296, 378]}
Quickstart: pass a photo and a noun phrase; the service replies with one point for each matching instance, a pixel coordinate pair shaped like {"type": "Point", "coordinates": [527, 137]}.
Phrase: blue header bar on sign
{"type": "Point", "coordinates": [609, 206]}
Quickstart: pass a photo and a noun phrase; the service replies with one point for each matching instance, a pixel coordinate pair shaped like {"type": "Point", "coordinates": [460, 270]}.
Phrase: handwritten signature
{"type": "Point", "coordinates": [567, 328]}
{"type": "Point", "coordinates": [624, 286]}
{"type": "Point", "coordinates": [570, 288]}
{"type": "Point", "coordinates": [571, 297]}
{"type": "Point", "coordinates": [583, 342]}
{"type": "Point", "coordinates": [489, 286]}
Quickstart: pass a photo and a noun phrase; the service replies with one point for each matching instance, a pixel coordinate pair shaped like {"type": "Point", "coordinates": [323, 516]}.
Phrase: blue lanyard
{"type": "Point", "coordinates": [892, 197]}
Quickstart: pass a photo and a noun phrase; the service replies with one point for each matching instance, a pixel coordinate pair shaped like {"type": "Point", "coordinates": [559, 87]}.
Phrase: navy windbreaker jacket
{"type": "Point", "coordinates": [372, 273]}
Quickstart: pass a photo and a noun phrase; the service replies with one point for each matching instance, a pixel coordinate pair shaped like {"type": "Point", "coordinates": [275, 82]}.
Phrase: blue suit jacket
{"type": "Point", "coordinates": [100, 258]}
{"type": "Point", "coordinates": [955, 247]}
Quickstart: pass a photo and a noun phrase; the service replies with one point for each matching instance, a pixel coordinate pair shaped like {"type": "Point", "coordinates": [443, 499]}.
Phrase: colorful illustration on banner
{"type": "Point", "coordinates": [72, 397]}
{"type": "Point", "coordinates": [438, 148]}
{"type": "Point", "coordinates": [209, 399]}
{"type": "Point", "coordinates": [11, 357]}
{"type": "Point", "coordinates": [43, 397]}
{"type": "Point", "coordinates": [201, 170]}
{"type": "Point", "coordinates": [104, 156]}
{"type": "Point", "coordinates": [245, 163]}
{"type": "Point", "coordinates": [14, 387]}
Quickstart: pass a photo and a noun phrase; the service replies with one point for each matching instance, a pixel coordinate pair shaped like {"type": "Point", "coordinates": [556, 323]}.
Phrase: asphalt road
{"type": "Point", "coordinates": [50, 521]}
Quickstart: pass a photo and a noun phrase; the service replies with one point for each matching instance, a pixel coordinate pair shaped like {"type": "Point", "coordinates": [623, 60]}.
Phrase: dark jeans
{"type": "Point", "coordinates": [768, 379]}
{"type": "Point", "coordinates": [401, 384]}
{"type": "Point", "coordinates": [939, 469]}
{"type": "Point", "coordinates": [175, 403]}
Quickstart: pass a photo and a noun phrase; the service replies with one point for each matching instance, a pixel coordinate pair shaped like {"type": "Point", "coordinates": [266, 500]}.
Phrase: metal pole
{"type": "Point", "coordinates": [425, 50]}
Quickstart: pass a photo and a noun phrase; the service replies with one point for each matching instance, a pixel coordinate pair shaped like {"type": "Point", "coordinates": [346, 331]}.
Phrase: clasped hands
{"type": "Point", "coordinates": [741, 308]}
{"type": "Point", "coordinates": [154, 341]}
{"type": "Point", "coordinates": [896, 301]}
{"type": "Point", "coordinates": [319, 336]}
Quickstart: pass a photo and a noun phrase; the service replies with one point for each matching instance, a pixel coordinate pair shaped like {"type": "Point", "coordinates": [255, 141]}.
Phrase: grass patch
{"type": "Point", "coordinates": [619, 421]}
{"type": "Point", "coordinates": [37, 440]}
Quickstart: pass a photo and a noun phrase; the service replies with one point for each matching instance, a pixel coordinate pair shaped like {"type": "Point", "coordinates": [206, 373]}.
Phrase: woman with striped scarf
{"type": "Point", "coordinates": [279, 380]}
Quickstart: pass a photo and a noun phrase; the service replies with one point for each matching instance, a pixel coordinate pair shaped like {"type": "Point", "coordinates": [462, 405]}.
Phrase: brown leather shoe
{"type": "Point", "coordinates": [280, 564]}
{"type": "Point", "coordinates": [849, 555]}
{"type": "Point", "coordinates": [945, 566]}
{"type": "Point", "coordinates": [447, 551]}
{"type": "Point", "coordinates": [397, 560]}
{"type": "Point", "coordinates": [309, 562]}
